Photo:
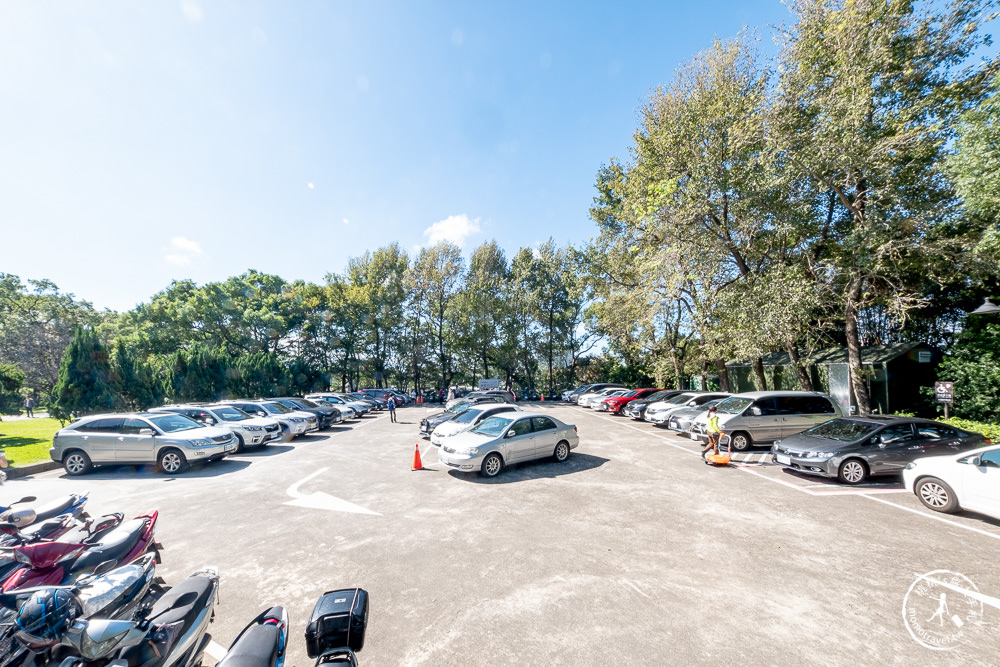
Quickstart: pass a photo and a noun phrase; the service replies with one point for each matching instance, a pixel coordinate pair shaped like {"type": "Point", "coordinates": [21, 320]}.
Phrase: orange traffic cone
{"type": "Point", "coordinates": [417, 465]}
{"type": "Point", "coordinates": [543, 398]}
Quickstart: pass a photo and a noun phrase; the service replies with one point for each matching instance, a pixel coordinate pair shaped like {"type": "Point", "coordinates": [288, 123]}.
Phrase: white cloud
{"type": "Point", "coordinates": [454, 228]}
{"type": "Point", "coordinates": [346, 221]}
{"type": "Point", "coordinates": [311, 186]}
{"type": "Point", "coordinates": [182, 251]}
{"type": "Point", "coordinates": [192, 11]}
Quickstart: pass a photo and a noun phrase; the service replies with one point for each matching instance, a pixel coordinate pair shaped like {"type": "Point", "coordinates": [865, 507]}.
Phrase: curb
{"type": "Point", "coordinates": [32, 469]}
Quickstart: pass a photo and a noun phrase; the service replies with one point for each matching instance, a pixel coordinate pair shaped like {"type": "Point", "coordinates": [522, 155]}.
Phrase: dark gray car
{"type": "Point", "coordinates": [855, 448]}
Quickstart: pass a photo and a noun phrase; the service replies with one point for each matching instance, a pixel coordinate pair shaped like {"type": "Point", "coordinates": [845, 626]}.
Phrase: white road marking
{"type": "Point", "coordinates": [215, 650]}
{"type": "Point", "coordinates": [935, 517]}
{"type": "Point", "coordinates": [975, 595]}
{"type": "Point", "coordinates": [322, 501]}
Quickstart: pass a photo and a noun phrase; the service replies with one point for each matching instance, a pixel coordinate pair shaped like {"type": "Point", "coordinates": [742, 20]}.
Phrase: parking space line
{"type": "Point", "coordinates": [995, 536]}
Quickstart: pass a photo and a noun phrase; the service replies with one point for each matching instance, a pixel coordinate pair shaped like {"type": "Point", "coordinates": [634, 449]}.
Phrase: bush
{"type": "Point", "coordinates": [991, 431]}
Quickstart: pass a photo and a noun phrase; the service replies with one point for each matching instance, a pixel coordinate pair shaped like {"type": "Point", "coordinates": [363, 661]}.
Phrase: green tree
{"type": "Point", "coordinates": [11, 379]}
{"type": "Point", "coordinates": [84, 384]}
{"type": "Point", "coordinates": [870, 94]}
{"type": "Point", "coordinates": [133, 380]}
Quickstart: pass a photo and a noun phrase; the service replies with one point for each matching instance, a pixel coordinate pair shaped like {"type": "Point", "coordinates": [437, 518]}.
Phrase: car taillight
{"type": "Point", "coordinates": [574, 428]}
{"type": "Point", "coordinates": [988, 441]}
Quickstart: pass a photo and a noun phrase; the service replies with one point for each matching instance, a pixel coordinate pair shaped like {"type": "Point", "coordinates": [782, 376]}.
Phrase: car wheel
{"type": "Point", "coordinates": [935, 494]}
{"type": "Point", "coordinates": [240, 445]}
{"type": "Point", "coordinates": [172, 461]}
{"type": "Point", "coordinates": [562, 451]}
{"type": "Point", "coordinates": [853, 471]}
{"type": "Point", "coordinates": [740, 441]}
{"type": "Point", "coordinates": [77, 463]}
{"type": "Point", "coordinates": [492, 465]}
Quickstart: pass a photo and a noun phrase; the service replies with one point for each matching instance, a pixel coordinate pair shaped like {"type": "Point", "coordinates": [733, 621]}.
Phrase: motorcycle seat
{"type": "Point", "coordinates": [183, 602]}
{"type": "Point", "coordinates": [258, 647]}
{"type": "Point", "coordinates": [54, 508]}
{"type": "Point", "coordinates": [115, 545]}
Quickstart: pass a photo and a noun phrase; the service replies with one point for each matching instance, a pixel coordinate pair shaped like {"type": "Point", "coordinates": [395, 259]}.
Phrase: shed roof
{"type": "Point", "coordinates": [872, 354]}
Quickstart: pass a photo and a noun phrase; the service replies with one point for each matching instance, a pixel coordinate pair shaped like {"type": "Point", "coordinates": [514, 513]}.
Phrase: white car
{"type": "Point", "coordinates": [658, 412]}
{"type": "Point", "coordinates": [510, 438]}
{"type": "Point", "coordinates": [607, 393]}
{"type": "Point", "coordinates": [468, 419]}
{"type": "Point", "coordinates": [966, 481]}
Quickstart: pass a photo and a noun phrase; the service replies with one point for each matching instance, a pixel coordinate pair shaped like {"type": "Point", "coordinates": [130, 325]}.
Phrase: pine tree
{"type": "Point", "coordinates": [84, 378]}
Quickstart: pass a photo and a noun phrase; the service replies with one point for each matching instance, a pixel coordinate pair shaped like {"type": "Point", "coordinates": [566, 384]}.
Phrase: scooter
{"type": "Point", "coordinates": [172, 632]}
{"type": "Point", "coordinates": [112, 592]}
{"type": "Point", "coordinates": [55, 563]}
{"type": "Point", "coordinates": [261, 643]}
{"type": "Point", "coordinates": [26, 499]}
{"type": "Point", "coordinates": [73, 505]}
{"type": "Point", "coordinates": [67, 527]}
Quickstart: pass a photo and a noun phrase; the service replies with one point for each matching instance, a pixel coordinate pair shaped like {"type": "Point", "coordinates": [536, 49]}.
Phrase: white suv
{"type": "Point", "coordinates": [250, 431]}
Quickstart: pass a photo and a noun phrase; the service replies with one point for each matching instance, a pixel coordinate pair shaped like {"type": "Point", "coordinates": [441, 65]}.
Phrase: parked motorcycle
{"type": "Point", "coordinates": [112, 592]}
{"type": "Point", "coordinates": [55, 563]}
{"type": "Point", "coordinates": [172, 632]}
{"type": "Point", "coordinates": [72, 504]}
{"type": "Point", "coordinates": [261, 643]}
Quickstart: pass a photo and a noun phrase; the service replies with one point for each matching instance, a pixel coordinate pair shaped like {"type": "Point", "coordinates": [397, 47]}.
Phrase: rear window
{"type": "Point", "coordinates": [842, 430]}
{"type": "Point", "coordinates": [105, 425]}
{"type": "Point", "coordinates": [229, 414]}
{"type": "Point", "coordinates": [468, 416]}
{"type": "Point", "coordinates": [275, 408]}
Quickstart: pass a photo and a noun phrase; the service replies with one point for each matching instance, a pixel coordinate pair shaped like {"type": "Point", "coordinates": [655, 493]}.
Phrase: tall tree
{"type": "Point", "coordinates": [84, 378]}
{"type": "Point", "coordinates": [869, 97]}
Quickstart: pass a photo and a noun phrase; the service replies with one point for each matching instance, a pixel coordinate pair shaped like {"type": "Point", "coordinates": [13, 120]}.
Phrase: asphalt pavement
{"type": "Point", "coordinates": [633, 552]}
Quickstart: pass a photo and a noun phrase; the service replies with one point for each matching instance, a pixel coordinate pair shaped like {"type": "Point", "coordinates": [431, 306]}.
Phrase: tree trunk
{"type": "Point", "coordinates": [858, 383]}
{"type": "Point", "coordinates": [677, 370]}
{"type": "Point", "coordinates": [793, 355]}
{"type": "Point", "coordinates": [720, 367]}
{"type": "Point", "coordinates": [759, 379]}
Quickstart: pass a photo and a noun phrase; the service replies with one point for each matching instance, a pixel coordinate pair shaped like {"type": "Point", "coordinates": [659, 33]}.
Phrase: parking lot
{"type": "Point", "coordinates": [632, 552]}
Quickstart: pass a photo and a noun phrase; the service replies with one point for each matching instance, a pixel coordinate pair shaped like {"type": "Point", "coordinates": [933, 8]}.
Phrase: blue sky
{"type": "Point", "coordinates": [142, 142]}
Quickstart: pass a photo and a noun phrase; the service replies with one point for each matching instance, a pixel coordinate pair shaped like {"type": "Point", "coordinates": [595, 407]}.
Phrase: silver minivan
{"type": "Point", "coordinates": [765, 416]}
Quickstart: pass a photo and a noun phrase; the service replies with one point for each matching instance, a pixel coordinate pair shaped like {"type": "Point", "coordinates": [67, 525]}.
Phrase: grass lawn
{"type": "Point", "coordinates": [27, 441]}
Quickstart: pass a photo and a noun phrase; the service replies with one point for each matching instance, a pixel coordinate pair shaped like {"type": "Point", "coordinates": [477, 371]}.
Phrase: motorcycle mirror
{"type": "Point", "coordinates": [105, 567]}
{"type": "Point", "coordinates": [26, 499]}
{"type": "Point", "coordinates": [9, 529]}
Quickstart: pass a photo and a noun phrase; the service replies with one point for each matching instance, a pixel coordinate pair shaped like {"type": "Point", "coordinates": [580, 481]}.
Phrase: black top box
{"type": "Point", "coordinates": [338, 620]}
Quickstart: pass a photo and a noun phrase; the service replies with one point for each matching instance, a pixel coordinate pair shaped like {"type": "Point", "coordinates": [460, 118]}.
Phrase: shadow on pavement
{"type": "Point", "coordinates": [214, 469]}
{"type": "Point", "coordinates": [539, 469]}
{"type": "Point", "coordinates": [878, 482]}
{"type": "Point", "coordinates": [268, 450]}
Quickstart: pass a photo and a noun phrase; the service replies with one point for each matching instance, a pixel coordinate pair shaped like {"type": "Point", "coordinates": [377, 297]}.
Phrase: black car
{"type": "Point", "coordinates": [637, 408]}
{"type": "Point", "coordinates": [428, 424]}
{"type": "Point", "coordinates": [326, 415]}
{"type": "Point", "coordinates": [854, 448]}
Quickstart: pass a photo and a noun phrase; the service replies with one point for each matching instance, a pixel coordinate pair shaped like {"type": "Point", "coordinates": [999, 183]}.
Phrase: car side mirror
{"type": "Point", "coordinates": [975, 460]}
{"type": "Point", "coordinates": [146, 431]}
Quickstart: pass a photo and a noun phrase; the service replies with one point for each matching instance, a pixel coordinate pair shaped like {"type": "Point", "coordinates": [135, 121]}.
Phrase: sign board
{"type": "Point", "coordinates": [489, 383]}
{"type": "Point", "coordinates": [944, 392]}
{"type": "Point", "coordinates": [924, 356]}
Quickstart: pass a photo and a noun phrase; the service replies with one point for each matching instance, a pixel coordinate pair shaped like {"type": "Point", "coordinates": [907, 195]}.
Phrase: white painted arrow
{"type": "Point", "coordinates": [322, 501]}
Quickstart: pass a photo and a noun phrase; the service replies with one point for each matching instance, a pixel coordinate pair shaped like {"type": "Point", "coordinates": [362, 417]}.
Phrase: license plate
{"type": "Point", "coordinates": [783, 460]}
{"type": "Point", "coordinates": [694, 436]}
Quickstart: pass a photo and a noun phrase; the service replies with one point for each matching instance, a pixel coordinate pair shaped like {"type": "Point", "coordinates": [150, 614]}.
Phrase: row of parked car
{"type": "Point", "coordinates": [946, 467]}
{"type": "Point", "coordinates": [175, 436]}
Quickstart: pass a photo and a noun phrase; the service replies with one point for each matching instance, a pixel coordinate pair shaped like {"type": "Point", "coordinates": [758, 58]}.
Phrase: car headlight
{"type": "Point", "coordinates": [911, 465]}
{"type": "Point", "coordinates": [819, 455]}
{"type": "Point", "coordinates": [200, 443]}
{"type": "Point", "coordinates": [468, 451]}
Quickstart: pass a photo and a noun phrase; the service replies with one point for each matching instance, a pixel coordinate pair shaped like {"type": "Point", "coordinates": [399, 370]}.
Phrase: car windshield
{"type": "Point", "coordinates": [306, 402]}
{"type": "Point", "coordinates": [229, 414]}
{"type": "Point", "coordinates": [174, 423]}
{"type": "Point", "coordinates": [734, 405]}
{"type": "Point", "coordinates": [680, 399]}
{"type": "Point", "coordinates": [493, 426]}
{"type": "Point", "coordinates": [467, 417]}
{"type": "Point", "coordinates": [459, 408]}
{"type": "Point", "coordinates": [656, 396]}
{"type": "Point", "coordinates": [275, 408]}
{"type": "Point", "coordinates": [842, 430]}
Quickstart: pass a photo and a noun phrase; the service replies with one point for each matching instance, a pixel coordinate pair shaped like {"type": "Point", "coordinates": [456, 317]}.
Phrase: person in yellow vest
{"type": "Point", "coordinates": [713, 432]}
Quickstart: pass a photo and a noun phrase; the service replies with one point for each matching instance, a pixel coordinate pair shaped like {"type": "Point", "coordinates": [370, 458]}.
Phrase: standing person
{"type": "Point", "coordinates": [451, 392]}
{"type": "Point", "coordinates": [413, 395]}
{"type": "Point", "coordinates": [713, 432]}
{"type": "Point", "coordinates": [441, 395]}
{"type": "Point", "coordinates": [392, 409]}
{"type": "Point", "coordinates": [29, 406]}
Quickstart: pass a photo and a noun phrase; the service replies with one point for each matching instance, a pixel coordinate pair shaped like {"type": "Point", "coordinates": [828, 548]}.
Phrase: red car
{"type": "Point", "coordinates": [615, 404]}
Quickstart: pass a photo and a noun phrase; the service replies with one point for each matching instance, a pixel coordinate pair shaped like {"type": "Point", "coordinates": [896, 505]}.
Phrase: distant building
{"type": "Point", "coordinates": [894, 373]}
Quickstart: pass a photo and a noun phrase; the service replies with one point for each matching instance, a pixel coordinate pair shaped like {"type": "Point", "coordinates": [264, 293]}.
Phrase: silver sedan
{"type": "Point", "coordinates": [504, 439]}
